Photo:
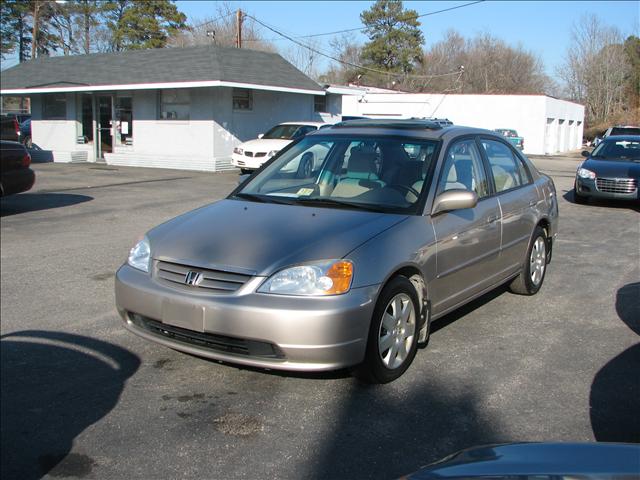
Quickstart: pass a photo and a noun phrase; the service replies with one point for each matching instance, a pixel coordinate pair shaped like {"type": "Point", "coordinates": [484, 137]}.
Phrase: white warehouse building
{"type": "Point", "coordinates": [547, 124]}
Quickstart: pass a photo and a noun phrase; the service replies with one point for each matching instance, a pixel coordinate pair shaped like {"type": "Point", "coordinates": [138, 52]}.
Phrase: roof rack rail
{"type": "Point", "coordinates": [409, 124]}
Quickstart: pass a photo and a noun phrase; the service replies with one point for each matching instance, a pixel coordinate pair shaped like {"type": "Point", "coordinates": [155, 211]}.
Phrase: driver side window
{"type": "Point", "coordinates": [463, 169]}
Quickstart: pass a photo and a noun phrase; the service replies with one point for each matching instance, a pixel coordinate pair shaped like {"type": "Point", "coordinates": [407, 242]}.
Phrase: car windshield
{"type": "Point", "coordinates": [625, 131]}
{"type": "Point", "coordinates": [618, 150]}
{"type": "Point", "coordinates": [283, 132]}
{"type": "Point", "coordinates": [366, 173]}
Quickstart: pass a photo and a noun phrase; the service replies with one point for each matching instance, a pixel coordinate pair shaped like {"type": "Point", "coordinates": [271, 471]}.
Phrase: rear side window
{"type": "Point", "coordinates": [507, 168]}
{"type": "Point", "coordinates": [463, 169]}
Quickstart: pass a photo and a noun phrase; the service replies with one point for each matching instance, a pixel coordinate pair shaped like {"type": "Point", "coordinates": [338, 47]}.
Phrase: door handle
{"type": "Point", "coordinates": [492, 219]}
{"type": "Point", "coordinates": [533, 203]}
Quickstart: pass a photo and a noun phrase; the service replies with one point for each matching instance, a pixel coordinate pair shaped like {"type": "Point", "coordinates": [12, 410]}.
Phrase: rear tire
{"type": "Point", "coordinates": [535, 265]}
{"type": "Point", "coordinates": [393, 335]}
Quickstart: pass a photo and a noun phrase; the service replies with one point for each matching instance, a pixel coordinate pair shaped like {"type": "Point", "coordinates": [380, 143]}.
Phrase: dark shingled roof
{"type": "Point", "coordinates": [192, 64]}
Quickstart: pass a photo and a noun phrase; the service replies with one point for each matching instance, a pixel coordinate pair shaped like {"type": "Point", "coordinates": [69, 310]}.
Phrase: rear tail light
{"type": "Point", "coordinates": [26, 160]}
{"type": "Point", "coordinates": [16, 125]}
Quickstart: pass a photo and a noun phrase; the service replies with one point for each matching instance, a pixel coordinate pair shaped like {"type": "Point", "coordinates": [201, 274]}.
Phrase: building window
{"type": "Point", "coordinates": [319, 103]}
{"type": "Point", "coordinates": [175, 104]}
{"type": "Point", "coordinates": [54, 106]}
{"type": "Point", "coordinates": [124, 119]}
{"type": "Point", "coordinates": [242, 99]}
{"type": "Point", "coordinates": [85, 118]}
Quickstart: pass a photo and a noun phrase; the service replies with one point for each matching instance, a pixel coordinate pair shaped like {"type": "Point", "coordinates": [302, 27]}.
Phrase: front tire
{"type": "Point", "coordinates": [393, 335]}
{"type": "Point", "coordinates": [535, 266]}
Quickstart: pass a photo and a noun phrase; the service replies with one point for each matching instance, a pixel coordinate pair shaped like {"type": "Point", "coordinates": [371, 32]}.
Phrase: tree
{"type": "Point", "coordinates": [139, 25]}
{"type": "Point", "coordinates": [15, 29]}
{"type": "Point", "coordinates": [349, 53]}
{"type": "Point", "coordinates": [221, 30]}
{"type": "Point", "coordinates": [395, 41]}
{"type": "Point", "coordinates": [595, 70]}
{"type": "Point", "coordinates": [88, 14]}
{"type": "Point", "coordinates": [490, 66]}
{"type": "Point", "coordinates": [632, 52]}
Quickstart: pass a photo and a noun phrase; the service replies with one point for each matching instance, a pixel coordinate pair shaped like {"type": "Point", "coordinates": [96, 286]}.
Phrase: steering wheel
{"type": "Point", "coordinates": [405, 188]}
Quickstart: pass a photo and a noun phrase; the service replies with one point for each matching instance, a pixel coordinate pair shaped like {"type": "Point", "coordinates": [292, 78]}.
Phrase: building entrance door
{"type": "Point", "coordinates": [105, 125]}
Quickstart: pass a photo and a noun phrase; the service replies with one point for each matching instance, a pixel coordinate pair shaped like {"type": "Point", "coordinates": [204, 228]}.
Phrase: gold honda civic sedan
{"type": "Point", "coordinates": [343, 248]}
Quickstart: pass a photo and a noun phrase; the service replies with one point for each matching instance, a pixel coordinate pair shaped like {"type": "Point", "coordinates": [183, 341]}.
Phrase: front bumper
{"type": "Point", "coordinates": [589, 188]}
{"type": "Point", "coordinates": [248, 163]}
{"type": "Point", "coordinates": [248, 328]}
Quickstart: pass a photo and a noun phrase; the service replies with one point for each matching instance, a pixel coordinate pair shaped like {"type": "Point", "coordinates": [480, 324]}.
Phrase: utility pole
{"type": "Point", "coordinates": [239, 29]}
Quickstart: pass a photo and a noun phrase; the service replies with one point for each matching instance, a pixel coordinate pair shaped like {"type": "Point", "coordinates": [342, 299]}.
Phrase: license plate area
{"type": "Point", "coordinates": [183, 314]}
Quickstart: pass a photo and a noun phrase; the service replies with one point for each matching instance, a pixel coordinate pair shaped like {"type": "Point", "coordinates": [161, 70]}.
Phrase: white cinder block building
{"type": "Point", "coordinates": [174, 108]}
{"type": "Point", "coordinates": [547, 124]}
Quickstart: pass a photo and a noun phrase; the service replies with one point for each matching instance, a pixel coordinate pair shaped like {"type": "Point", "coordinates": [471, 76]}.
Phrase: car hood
{"type": "Point", "coordinates": [260, 238]}
{"type": "Point", "coordinates": [264, 145]}
{"type": "Point", "coordinates": [612, 168]}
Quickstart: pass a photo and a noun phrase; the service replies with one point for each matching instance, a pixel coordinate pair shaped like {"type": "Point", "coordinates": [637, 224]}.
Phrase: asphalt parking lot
{"type": "Point", "coordinates": [81, 397]}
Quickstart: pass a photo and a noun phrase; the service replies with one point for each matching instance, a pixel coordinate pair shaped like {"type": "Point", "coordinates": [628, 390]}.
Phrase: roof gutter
{"type": "Point", "coordinates": [154, 86]}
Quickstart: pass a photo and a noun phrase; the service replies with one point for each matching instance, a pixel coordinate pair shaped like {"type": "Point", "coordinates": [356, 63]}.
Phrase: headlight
{"type": "Point", "coordinates": [140, 255]}
{"type": "Point", "coordinates": [238, 150]}
{"type": "Point", "coordinates": [330, 277]}
{"type": "Point", "coordinates": [272, 153]}
{"type": "Point", "coordinates": [584, 173]}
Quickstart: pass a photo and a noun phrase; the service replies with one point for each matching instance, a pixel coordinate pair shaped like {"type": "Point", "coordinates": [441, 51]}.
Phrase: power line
{"type": "Point", "coordinates": [354, 65]}
{"type": "Point", "coordinates": [214, 20]}
{"type": "Point", "coordinates": [412, 17]}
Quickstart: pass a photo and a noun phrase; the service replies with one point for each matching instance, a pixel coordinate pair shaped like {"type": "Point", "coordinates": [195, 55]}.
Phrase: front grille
{"type": "Point", "coordinates": [616, 185]}
{"type": "Point", "coordinates": [240, 162]}
{"type": "Point", "coordinates": [248, 154]}
{"type": "Point", "coordinates": [213, 281]}
{"type": "Point", "coordinates": [211, 341]}
{"type": "Point", "coordinates": [259, 154]}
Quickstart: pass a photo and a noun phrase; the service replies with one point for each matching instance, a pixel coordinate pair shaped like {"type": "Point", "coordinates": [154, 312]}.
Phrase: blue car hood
{"type": "Point", "coordinates": [260, 238]}
{"type": "Point", "coordinates": [613, 168]}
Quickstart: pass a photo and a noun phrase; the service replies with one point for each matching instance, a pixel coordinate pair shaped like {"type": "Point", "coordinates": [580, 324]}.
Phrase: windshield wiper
{"type": "Point", "coordinates": [262, 198]}
{"type": "Point", "coordinates": [330, 202]}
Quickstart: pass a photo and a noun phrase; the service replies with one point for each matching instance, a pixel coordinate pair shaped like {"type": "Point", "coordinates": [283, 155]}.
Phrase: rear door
{"type": "Point", "coordinates": [517, 196]}
{"type": "Point", "coordinates": [467, 241]}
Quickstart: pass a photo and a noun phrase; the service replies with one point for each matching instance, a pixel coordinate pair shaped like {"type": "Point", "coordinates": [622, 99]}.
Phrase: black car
{"type": "Point", "coordinates": [611, 171]}
{"type": "Point", "coordinates": [15, 174]}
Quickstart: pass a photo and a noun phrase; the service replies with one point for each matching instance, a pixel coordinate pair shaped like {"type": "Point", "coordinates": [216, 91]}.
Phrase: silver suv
{"type": "Point", "coordinates": [345, 264]}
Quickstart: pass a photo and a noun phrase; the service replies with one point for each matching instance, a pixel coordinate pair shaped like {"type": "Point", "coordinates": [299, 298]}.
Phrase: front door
{"type": "Point", "coordinates": [104, 125]}
{"type": "Point", "coordinates": [468, 241]}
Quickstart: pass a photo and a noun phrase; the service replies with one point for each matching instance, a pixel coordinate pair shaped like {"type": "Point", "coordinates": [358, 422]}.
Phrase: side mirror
{"type": "Point", "coordinates": [260, 135]}
{"type": "Point", "coordinates": [586, 153]}
{"type": "Point", "coordinates": [454, 200]}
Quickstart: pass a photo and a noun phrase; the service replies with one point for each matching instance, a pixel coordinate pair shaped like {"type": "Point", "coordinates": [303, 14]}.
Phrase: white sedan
{"type": "Point", "coordinates": [251, 155]}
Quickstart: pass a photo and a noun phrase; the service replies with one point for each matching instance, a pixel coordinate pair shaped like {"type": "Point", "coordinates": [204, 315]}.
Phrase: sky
{"type": "Point", "coordinates": [542, 27]}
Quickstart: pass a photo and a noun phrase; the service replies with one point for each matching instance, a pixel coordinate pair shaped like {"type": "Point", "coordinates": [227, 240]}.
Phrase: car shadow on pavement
{"type": "Point", "coordinates": [569, 197]}
{"type": "Point", "coordinates": [53, 386]}
{"type": "Point", "coordinates": [32, 202]}
{"type": "Point", "coordinates": [615, 391]}
{"type": "Point", "coordinates": [388, 431]}
{"type": "Point", "coordinates": [628, 306]}
{"type": "Point", "coordinates": [615, 399]}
